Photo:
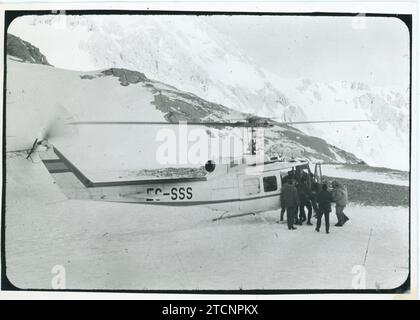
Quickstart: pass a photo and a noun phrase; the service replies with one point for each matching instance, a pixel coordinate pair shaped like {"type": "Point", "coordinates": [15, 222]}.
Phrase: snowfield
{"type": "Point", "coordinates": [367, 174]}
{"type": "Point", "coordinates": [122, 246]}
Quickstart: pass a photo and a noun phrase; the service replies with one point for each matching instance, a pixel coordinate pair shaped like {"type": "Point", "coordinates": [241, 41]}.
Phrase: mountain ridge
{"type": "Point", "coordinates": [163, 101]}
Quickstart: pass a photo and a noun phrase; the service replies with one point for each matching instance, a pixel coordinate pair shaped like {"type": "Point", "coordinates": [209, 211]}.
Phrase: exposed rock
{"type": "Point", "coordinates": [181, 106]}
{"type": "Point", "coordinates": [88, 77]}
{"type": "Point", "coordinates": [367, 193]}
{"type": "Point", "coordinates": [125, 76]}
{"type": "Point", "coordinates": [25, 51]}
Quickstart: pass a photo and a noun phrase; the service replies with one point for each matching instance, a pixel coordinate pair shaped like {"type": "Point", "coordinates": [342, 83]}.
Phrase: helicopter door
{"type": "Point", "coordinates": [249, 186]}
{"type": "Point", "coordinates": [249, 190]}
{"type": "Point", "coordinates": [259, 193]}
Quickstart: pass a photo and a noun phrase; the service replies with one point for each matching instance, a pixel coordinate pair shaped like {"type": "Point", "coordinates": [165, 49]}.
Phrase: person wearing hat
{"type": "Point", "coordinates": [315, 190]}
{"type": "Point", "coordinates": [285, 180]}
{"type": "Point", "coordinates": [324, 208]}
{"type": "Point", "coordinates": [339, 194]}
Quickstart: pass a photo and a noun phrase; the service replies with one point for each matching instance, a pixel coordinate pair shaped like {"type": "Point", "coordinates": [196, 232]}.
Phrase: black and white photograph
{"type": "Point", "coordinates": [207, 152]}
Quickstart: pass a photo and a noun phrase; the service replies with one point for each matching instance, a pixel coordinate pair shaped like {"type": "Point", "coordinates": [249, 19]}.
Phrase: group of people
{"type": "Point", "coordinates": [298, 195]}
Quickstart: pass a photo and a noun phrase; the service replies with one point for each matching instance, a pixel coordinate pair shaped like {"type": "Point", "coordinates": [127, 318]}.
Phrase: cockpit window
{"type": "Point", "coordinates": [270, 183]}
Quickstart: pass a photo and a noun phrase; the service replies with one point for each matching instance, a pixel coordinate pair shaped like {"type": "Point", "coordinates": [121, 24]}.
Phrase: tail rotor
{"type": "Point", "coordinates": [55, 128]}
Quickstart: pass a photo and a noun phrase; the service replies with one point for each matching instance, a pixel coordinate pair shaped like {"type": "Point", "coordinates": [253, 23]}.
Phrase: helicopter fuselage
{"type": "Point", "coordinates": [237, 188]}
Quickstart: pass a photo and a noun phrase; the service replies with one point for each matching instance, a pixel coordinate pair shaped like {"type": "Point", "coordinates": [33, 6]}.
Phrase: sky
{"type": "Point", "coordinates": [373, 50]}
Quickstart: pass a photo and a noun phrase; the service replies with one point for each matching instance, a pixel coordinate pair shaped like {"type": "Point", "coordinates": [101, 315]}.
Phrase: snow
{"type": "Point", "coordinates": [102, 98]}
{"type": "Point", "coordinates": [382, 142]}
{"type": "Point", "coordinates": [188, 53]}
{"type": "Point", "coordinates": [103, 152]}
{"type": "Point", "coordinates": [340, 171]}
{"type": "Point", "coordinates": [64, 39]}
{"type": "Point", "coordinates": [121, 246]}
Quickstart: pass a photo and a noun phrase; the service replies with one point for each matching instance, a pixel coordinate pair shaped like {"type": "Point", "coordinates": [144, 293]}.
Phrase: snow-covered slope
{"type": "Point", "coordinates": [38, 95]}
{"type": "Point", "coordinates": [187, 52]}
{"type": "Point", "coordinates": [383, 142]}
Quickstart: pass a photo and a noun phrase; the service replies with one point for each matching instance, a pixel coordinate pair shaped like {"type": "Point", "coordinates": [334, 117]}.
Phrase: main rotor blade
{"type": "Point", "coordinates": [237, 124]}
{"type": "Point", "coordinates": [324, 121]}
{"type": "Point", "coordinates": [208, 123]}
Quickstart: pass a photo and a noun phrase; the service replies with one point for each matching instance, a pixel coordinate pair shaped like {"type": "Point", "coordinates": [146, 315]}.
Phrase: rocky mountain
{"type": "Point", "coordinates": [23, 50]}
{"type": "Point", "coordinates": [118, 94]}
{"type": "Point", "coordinates": [188, 53]}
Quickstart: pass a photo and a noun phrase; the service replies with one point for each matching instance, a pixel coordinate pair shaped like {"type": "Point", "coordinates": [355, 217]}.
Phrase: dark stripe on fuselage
{"type": "Point", "coordinates": [142, 182]}
{"type": "Point", "coordinates": [198, 203]}
{"type": "Point", "coordinates": [89, 184]}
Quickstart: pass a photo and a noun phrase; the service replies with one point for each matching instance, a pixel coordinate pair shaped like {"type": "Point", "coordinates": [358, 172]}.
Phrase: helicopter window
{"type": "Point", "coordinates": [251, 186]}
{"type": "Point", "coordinates": [270, 183]}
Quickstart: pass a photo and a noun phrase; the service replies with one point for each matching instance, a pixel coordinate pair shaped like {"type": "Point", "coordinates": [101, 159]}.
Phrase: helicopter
{"type": "Point", "coordinates": [247, 186]}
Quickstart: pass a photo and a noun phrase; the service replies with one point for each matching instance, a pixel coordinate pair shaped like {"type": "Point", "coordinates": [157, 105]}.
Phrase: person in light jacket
{"type": "Point", "coordinates": [339, 193]}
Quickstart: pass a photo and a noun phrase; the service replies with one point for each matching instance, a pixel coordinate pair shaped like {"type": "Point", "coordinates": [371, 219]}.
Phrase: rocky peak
{"type": "Point", "coordinates": [125, 76]}
{"type": "Point", "coordinates": [25, 51]}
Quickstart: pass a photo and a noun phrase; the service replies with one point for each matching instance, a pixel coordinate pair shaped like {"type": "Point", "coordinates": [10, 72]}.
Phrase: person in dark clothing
{"type": "Point", "coordinates": [285, 180]}
{"type": "Point", "coordinates": [315, 190]}
{"type": "Point", "coordinates": [283, 208]}
{"type": "Point", "coordinates": [304, 199]}
{"type": "Point", "coordinates": [290, 199]}
{"type": "Point", "coordinates": [324, 201]}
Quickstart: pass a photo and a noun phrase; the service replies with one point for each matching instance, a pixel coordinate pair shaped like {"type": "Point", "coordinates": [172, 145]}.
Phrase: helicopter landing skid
{"type": "Point", "coordinates": [223, 216]}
